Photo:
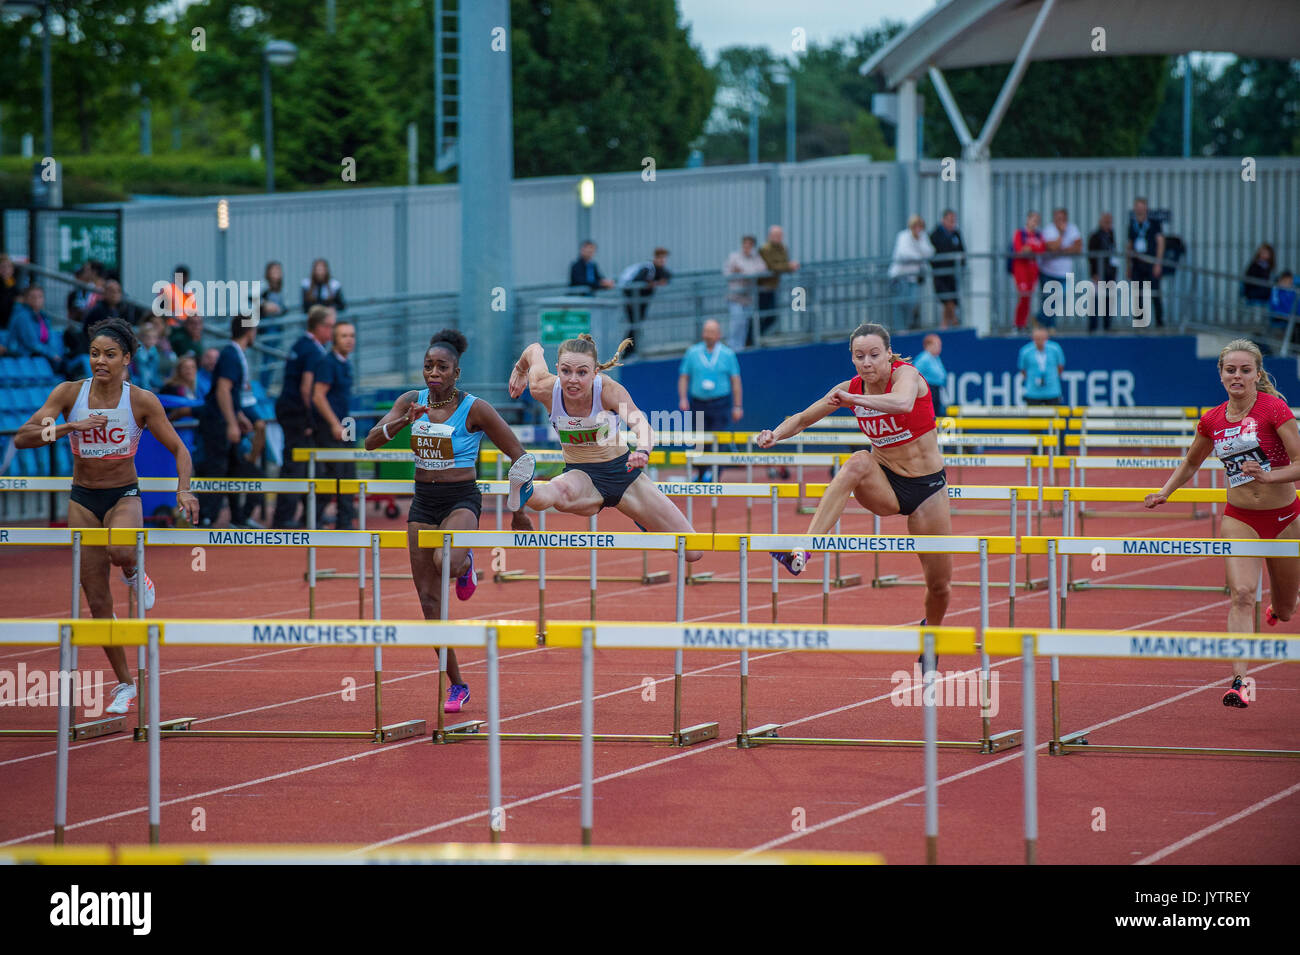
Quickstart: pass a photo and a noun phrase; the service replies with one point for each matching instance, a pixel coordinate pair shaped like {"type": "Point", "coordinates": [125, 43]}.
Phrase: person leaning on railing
{"type": "Point", "coordinates": [911, 250]}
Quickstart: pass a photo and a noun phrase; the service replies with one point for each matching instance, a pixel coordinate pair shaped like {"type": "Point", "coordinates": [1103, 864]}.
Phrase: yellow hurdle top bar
{"type": "Point", "coordinates": [1162, 547]}
{"type": "Point", "coordinates": [712, 635]}
{"type": "Point", "coordinates": [576, 539]}
{"type": "Point", "coordinates": [1136, 495]}
{"type": "Point", "coordinates": [864, 543]}
{"type": "Point", "coordinates": [1148, 645]}
{"type": "Point", "coordinates": [441, 854]}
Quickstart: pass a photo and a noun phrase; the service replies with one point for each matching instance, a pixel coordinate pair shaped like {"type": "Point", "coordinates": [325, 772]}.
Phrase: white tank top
{"type": "Point", "coordinates": [120, 435]}
{"type": "Point", "coordinates": [590, 437]}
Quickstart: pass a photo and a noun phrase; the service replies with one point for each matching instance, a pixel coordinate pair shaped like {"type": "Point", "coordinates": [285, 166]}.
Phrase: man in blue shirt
{"type": "Point", "coordinates": [292, 407]}
{"type": "Point", "coordinates": [331, 399]}
{"type": "Point", "coordinates": [585, 273]}
{"type": "Point", "coordinates": [226, 416]}
{"type": "Point", "coordinates": [708, 384]}
{"type": "Point", "coordinates": [931, 368]}
{"type": "Point", "coordinates": [1041, 362]}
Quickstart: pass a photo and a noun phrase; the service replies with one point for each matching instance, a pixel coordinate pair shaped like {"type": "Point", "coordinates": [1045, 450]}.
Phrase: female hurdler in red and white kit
{"type": "Point", "coordinates": [901, 474]}
{"type": "Point", "coordinates": [1255, 435]}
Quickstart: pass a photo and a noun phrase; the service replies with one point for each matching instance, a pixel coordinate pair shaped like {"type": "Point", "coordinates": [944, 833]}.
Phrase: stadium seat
{"type": "Point", "coordinates": [26, 461]}
{"type": "Point", "coordinates": [8, 371]}
{"type": "Point", "coordinates": [8, 399]}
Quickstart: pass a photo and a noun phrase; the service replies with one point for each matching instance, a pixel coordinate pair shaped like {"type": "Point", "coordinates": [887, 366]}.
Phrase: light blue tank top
{"type": "Point", "coordinates": [439, 446]}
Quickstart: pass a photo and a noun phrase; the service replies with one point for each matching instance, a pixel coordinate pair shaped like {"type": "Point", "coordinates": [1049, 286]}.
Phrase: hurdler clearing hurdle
{"type": "Point", "coordinates": [902, 474]}
{"type": "Point", "coordinates": [585, 408]}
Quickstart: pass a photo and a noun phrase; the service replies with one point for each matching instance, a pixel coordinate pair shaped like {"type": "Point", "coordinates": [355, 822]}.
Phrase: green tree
{"type": "Point", "coordinates": [1250, 107]}
{"type": "Point", "coordinates": [106, 55]}
{"type": "Point", "coordinates": [600, 84]}
{"type": "Point", "coordinates": [1062, 108]}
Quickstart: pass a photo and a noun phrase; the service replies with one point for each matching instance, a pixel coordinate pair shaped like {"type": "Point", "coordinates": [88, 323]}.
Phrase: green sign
{"type": "Point", "coordinates": [559, 325]}
{"type": "Point", "coordinates": [87, 237]}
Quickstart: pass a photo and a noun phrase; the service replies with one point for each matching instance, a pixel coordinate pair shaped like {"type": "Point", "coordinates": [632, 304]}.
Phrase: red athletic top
{"type": "Point", "coordinates": [1253, 438]}
{"type": "Point", "coordinates": [888, 430]}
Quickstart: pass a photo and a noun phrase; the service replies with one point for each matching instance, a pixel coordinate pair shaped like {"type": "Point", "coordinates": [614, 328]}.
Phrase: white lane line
{"type": "Point", "coordinates": [1221, 824]}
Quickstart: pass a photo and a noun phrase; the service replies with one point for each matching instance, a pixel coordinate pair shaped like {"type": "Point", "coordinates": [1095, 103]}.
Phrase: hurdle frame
{"type": "Point", "coordinates": [184, 726]}
{"type": "Point", "coordinates": [1094, 644]}
{"type": "Point", "coordinates": [445, 540]}
{"type": "Point", "coordinates": [768, 733]}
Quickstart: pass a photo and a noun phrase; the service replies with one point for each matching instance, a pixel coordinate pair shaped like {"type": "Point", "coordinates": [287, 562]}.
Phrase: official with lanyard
{"type": "Point", "coordinates": [227, 415]}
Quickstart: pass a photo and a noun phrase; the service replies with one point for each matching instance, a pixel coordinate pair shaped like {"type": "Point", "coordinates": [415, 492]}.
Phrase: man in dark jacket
{"type": "Point", "coordinates": [585, 273]}
{"type": "Point", "coordinates": [947, 241]}
{"type": "Point", "coordinates": [1102, 265]}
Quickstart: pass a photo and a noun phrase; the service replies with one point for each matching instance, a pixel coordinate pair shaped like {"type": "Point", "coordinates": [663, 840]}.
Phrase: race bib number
{"type": "Point", "coordinates": [599, 434]}
{"type": "Point", "coordinates": [431, 444]}
{"type": "Point", "coordinates": [1234, 447]}
{"type": "Point", "coordinates": [111, 441]}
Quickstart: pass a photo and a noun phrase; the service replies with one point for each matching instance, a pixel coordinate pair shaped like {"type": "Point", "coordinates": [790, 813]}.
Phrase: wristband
{"type": "Point", "coordinates": [384, 428]}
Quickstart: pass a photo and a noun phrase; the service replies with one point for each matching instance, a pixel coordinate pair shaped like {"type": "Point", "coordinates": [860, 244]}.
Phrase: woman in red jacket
{"type": "Point", "coordinates": [1028, 245]}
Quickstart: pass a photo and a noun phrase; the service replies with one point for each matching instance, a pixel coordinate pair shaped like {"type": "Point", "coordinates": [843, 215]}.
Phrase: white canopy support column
{"type": "Point", "coordinates": [906, 150]}
{"type": "Point", "coordinates": [975, 177]}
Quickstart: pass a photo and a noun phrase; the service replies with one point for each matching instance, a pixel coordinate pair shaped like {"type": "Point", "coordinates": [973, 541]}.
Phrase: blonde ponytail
{"type": "Point", "coordinates": [584, 344]}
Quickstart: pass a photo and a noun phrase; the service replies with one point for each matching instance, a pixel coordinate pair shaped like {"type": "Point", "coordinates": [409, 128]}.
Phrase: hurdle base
{"type": "Point", "coordinates": [1000, 741]}
{"type": "Point", "coordinates": [400, 731]}
{"type": "Point", "coordinates": [104, 727]}
{"type": "Point", "coordinates": [697, 734]}
{"type": "Point", "coordinates": [1085, 583]}
{"type": "Point", "coordinates": [178, 725]}
{"type": "Point", "coordinates": [769, 734]}
{"type": "Point", "coordinates": [703, 577]}
{"type": "Point", "coordinates": [456, 731]}
{"type": "Point", "coordinates": [748, 740]}
{"type": "Point", "coordinates": [1078, 743]}
{"type": "Point", "coordinates": [658, 577]}
{"type": "Point", "coordinates": [517, 576]}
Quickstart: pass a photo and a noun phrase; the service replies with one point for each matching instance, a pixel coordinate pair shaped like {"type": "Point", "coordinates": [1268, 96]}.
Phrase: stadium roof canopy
{"type": "Point", "coordinates": [964, 33]}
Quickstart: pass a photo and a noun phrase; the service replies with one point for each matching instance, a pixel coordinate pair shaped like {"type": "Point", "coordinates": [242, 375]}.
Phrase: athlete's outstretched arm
{"type": "Point", "coordinates": [160, 426]}
{"type": "Point", "coordinates": [797, 422]}
{"type": "Point", "coordinates": [1200, 448]}
{"type": "Point", "coordinates": [483, 417]}
{"type": "Point", "coordinates": [530, 372]}
{"type": "Point", "coordinates": [900, 400]}
{"type": "Point", "coordinates": [40, 426]}
{"type": "Point", "coordinates": [616, 398]}
{"type": "Point", "coordinates": [398, 417]}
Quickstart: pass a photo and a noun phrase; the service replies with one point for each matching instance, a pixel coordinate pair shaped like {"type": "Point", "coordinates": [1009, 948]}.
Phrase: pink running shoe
{"type": "Point", "coordinates": [457, 696]}
{"type": "Point", "coordinates": [467, 582]}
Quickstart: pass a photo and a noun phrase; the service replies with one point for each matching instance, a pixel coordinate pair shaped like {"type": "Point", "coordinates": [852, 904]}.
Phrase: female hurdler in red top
{"type": "Point", "coordinates": [901, 474]}
{"type": "Point", "coordinates": [1254, 434]}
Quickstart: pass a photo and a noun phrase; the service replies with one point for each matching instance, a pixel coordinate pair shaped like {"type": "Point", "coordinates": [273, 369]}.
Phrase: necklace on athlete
{"type": "Point", "coordinates": [445, 401]}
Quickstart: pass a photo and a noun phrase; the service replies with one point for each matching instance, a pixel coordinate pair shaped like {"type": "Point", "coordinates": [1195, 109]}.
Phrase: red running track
{"type": "Point", "coordinates": [1167, 809]}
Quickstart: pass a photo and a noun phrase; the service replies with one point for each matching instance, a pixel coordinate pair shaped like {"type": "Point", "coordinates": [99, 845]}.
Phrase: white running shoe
{"type": "Point", "coordinates": [521, 481]}
{"type": "Point", "coordinates": [148, 589]}
{"type": "Point", "coordinates": [123, 694]}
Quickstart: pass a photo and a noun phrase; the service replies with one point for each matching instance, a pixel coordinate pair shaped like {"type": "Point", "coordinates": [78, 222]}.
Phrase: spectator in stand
{"type": "Point", "coordinates": [183, 383]}
{"type": "Point", "coordinates": [188, 339]}
{"type": "Point", "coordinates": [331, 399]}
{"type": "Point", "coordinates": [777, 259]}
{"type": "Point", "coordinates": [1145, 237]}
{"type": "Point", "coordinates": [224, 420]}
{"type": "Point", "coordinates": [740, 292]}
{"type": "Point", "coordinates": [172, 301]}
{"type": "Point", "coordinates": [273, 303]}
{"type": "Point", "coordinates": [585, 273]}
{"type": "Point", "coordinates": [638, 282]}
{"type": "Point", "coordinates": [1041, 363]}
{"type": "Point", "coordinates": [1102, 266]}
{"type": "Point", "coordinates": [320, 288]}
{"type": "Point", "coordinates": [911, 249]}
{"type": "Point", "coordinates": [83, 296]}
{"type": "Point", "coordinates": [292, 407]}
{"type": "Point", "coordinates": [111, 304]}
{"type": "Point", "coordinates": [1282, 300]}
{"type": "Point", "coordinates": [146, 363]}
{"type": "Point", "coordinates": [1256, 293]}
{"type": "Point", "coordinates": [207, 366]}
{"type": "Point", "coordinates": [1063, 241]}
{"type": "Point", "coordinates": [1027, 246]}
{"type": "Point", "coordinates": [30, 334]}
{"type": "Point", "coordinates": [930, 366]}
{"type": "Point", "coordinates": [947, 241]}
{"type": "Point", "coordinates": [708, 385]}
{"type": "Point", "coordinates": [8, 290]}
